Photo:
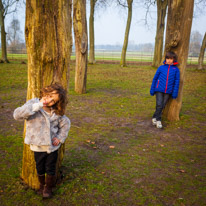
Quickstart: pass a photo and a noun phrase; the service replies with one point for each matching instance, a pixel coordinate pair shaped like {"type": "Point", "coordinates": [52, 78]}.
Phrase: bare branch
{"type": "Point", "coordinates": [122, 4]}
{"type": "Point", "coordinates": [7, 4]}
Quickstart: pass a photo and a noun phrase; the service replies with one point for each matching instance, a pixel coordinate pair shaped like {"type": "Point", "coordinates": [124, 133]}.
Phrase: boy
{"type": "Point", "coordinates": [165, 84]}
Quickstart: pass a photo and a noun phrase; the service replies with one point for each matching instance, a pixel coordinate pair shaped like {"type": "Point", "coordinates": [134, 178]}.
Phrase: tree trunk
{"type": "Point", "coordinates": [91, 32]}
{"type": "Point", "coordinates": [81, 44]}
{"type": "Point", "coordinates": [3, 35]}
{"type": "Point", "coordinates": [126, 37]}
{"type": "Point", "coordinates": [202, 53]}
{"type": "Point", "coordinates": [49, 41]}
{"type": "Point", "coordinates": [161, 13]}
{"type": "Point", "coordinates": [179, 22]}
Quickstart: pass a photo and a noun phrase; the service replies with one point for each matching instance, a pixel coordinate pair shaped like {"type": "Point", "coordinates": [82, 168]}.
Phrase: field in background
{"type": "Point", "coordinates": [114, 156]}
{"type": "Point", "coordinates": [105, 56]}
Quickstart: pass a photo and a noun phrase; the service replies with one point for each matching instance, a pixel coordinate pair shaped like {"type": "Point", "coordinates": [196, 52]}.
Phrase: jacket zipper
{"type": "Point", "coordinates": [158, 83]}
{"type": "Point", "coordinates": [167, 78]}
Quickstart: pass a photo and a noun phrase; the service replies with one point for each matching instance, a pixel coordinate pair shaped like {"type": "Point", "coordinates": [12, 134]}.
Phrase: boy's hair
{"type": "Point", "coordinates": [59, 107]}
{"type": "Point", "coordinates": [171, 55]}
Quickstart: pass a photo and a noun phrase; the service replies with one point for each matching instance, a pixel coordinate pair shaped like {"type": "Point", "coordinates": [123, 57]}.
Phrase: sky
{"type": "Point", "coordinates": [110, 24]}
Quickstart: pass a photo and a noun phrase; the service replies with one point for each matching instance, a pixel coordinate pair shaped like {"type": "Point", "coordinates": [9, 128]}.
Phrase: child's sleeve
{"type": "Point", "coordinates": [27, 110]}
{"type": "Point", "coordinates": [64, 127]}
{"type": "Point", "coordinates": [176, 85]}
{"type": "Point", "coordinates": [156, 76]}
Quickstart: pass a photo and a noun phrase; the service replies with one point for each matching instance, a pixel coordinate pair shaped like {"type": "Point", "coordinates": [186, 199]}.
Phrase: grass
{"type": "Point", "coordinates": [113, 155]}
{"type": "Point", "coordinates": [113, 56]}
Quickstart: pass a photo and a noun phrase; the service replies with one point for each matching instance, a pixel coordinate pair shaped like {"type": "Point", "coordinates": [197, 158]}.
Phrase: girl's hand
{"type": "Point", "coordinates": [47, 101]}
{"type": "Point", "coordinates": [55, 141]}
{"type": "Point", "coordinates": [44, 100]}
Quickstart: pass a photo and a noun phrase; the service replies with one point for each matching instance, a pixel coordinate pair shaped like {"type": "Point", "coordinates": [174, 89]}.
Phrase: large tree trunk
{"type": "Point", "coordinates": [48, 40]}
{"type": "Point", "coordinates": [161, 13]}
{"type": "Point", "coordinates": [3, 35]}
{"type": "Point", "coordinates": [202, 53]}
{"type": "Point", "coordinates": [179, 22]}
{"type": "Point", "coordinates": [126, 37]}
{"type": "Point", "coordinates": [81, 44]}
{"type": "Point", "coordinates": [91, 32]}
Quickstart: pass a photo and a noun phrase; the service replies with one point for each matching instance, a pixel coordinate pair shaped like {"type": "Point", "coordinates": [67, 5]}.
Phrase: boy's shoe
{"type": "Point", "coordinates": [159, 124]}
{"type": "Point", "coordinates": [154, 121]}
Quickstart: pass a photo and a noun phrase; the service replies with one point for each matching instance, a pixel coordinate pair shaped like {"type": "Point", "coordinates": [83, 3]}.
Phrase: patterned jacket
{"type": "Point", "coordinates": [40, 129]}
{"type": "Point", "coordinates": [166, 80]}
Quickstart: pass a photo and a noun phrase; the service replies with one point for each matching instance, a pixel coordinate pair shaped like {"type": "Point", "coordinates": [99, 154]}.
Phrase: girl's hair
{"type": "Point", "coordinates": [171, 55]}
{"type": "Point", "coordinates": [59, 107]}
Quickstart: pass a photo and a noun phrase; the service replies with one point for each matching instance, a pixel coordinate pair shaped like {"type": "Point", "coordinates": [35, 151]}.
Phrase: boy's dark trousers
{"type": "Point", "coordinates": [161, 100]}
{"type": "Point", "coordinates": [46, 163]}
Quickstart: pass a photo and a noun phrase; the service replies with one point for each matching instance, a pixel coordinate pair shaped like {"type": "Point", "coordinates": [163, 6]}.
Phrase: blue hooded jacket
{"type": "Point", "coordinates": [166, 80]}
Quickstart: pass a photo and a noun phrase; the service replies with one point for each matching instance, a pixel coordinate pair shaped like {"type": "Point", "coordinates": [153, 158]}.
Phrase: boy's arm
{"type": "Point", "coordinates": [27, 110]}
{"type": "Point", "coordinates": [64, 127]}
{"type": "Point", "coordinates": [176, 85]}
{"type": "Point", "coordinates": [156, 76]}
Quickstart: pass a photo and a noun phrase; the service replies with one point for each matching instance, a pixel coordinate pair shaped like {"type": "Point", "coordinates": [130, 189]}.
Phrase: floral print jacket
{"type": "Point", "coordinates": [40, 128]}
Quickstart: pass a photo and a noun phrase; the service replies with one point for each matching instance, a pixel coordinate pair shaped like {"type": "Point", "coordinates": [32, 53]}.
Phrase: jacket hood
{"type": "Point", "coordinates": [174, 63]}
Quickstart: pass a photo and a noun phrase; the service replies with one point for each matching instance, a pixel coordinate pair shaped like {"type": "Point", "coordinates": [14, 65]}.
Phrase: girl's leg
{"type": "Point", "coordinates": [50, 168]}
{"type": "Point", "coordinates": [50, 164]}
{"type": "Point", "coordinates": [40, 158]}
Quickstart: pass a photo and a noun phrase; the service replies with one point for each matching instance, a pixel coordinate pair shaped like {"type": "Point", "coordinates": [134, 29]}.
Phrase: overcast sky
{"type": "Point", "coordinates": [110, 25]}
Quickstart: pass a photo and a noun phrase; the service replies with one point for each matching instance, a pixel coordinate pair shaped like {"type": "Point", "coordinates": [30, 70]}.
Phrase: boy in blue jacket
{"type": "Point", "coordinates": [165, 84]}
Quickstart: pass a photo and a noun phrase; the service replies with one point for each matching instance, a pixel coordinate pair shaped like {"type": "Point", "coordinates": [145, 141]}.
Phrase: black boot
{"type": "Point", "coordinates": [50, 182]}
{"type": "Point", "coordinates": [42, 183]}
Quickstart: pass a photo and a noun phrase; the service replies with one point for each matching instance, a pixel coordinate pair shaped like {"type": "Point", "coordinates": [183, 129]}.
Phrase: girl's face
{"type": "Point", "coordinates": [51, 98]}
{"type": "Point", "coordinates": [169, 61]}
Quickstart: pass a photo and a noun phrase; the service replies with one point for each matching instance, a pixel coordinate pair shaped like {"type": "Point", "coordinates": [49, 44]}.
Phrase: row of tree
{"type": "Point", "coordinates": [13, 32]}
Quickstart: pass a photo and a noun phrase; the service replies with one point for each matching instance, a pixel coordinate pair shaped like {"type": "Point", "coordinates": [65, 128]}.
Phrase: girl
{"type": "Point", "coordinates": [46, 129]}
{"type": "Point", "coordinates": [165, 84]}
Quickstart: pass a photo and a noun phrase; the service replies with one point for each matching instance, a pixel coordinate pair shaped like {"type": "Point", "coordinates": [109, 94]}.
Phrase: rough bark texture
{"type": "Point", "coordinates": [48, 40]}
{"type": "Point", "coordinates": [161, 13]}
{"type": "Point", "coordinates": [126, 37]}
{"type": "Point", "coordinates": [202, 53]}
{"type": "Point", "coordinates": [81, 45]}
{"type": "Point", "coordinates": [3, 35]}
{"type": "Point", "coordinates": [179, 22]}
{"type": "Point", "coordinates": [91, 32]}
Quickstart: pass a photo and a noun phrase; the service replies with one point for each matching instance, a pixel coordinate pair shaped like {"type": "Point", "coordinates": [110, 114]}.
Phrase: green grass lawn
{"type": "Point", "coordinates": [113, 156]}
{"type": "Point", "coordinates": [109, 56]}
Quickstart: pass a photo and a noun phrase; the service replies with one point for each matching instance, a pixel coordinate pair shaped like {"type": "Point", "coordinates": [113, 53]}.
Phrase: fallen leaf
{"type": "Point", "coordinates": [88, 141]}
{"type": "Point", "coordinates": [92, 142]}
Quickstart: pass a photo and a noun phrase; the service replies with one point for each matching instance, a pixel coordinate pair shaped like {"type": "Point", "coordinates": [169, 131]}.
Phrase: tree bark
{"type": "Point", "coordinates": [126, 37]}
{"type": "Point", "coordinates": [81, 45]}
{"type": "Point", "coordinates": [161, 13]}
{"type": "Point", "coordinates": [91, 32]}
{"type": "Point", "coordinates": [3, 35]}
{"type": "Point", "coordinates": [49, 42]}
{"type": "Point", "coordinates": [202, 53]}
{"type": "Point", "coordinates": [179, 22]}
